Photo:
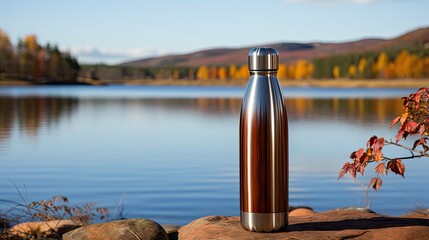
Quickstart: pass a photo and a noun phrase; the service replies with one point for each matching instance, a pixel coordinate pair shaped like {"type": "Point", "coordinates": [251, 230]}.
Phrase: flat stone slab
{"type": "Point", "coordinates": [336, 224]}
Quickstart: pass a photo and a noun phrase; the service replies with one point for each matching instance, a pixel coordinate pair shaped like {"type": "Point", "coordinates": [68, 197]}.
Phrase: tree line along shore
{"type": "Point", "coordinates": [31, 63]}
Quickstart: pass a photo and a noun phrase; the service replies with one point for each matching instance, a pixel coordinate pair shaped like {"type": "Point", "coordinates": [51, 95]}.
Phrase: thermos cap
{"type": "Point", "coordinates": [263, 58]}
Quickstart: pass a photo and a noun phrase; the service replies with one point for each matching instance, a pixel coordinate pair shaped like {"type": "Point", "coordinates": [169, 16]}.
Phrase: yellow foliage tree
{"type": "Point", "coordinates": [405, 63]}
{"type": "Point", "coordinates": [242, 73]}
{"type": "Point", "coordinates": [31, 42]}
{"type": "Point", "coordinates": [203, 73]}
{"type": "Point", "coordinates": [232, 71]}
{"type": "Point", "coordinates": [390, 71]}
{"type": "Point", "coordinates": [380, 64]}
{"type": "Point", "coordinates": [336, 72]}
{"type": "Point", "coordinates": [361, 66]}
{"type": "Point", "coordinates": [221, 73]}
{"type": "Point", "coordinates": [282, 72]}
{"type": "Point", "coordinates": [351, 71]}
{"type": "Point", "coordinates": [303, 69]}
{"type": "Point", "coordinates": [291, 71]}
{"type": "Point", "coordinates": [4, 41]}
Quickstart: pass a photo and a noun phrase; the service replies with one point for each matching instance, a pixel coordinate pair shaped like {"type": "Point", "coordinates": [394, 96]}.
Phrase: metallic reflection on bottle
{"type": "Point", "coordinates": [263, 147]}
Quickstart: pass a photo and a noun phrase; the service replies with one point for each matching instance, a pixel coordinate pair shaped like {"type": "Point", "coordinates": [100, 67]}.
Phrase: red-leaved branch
{"type": "Point", "coordinates": [413, 122]}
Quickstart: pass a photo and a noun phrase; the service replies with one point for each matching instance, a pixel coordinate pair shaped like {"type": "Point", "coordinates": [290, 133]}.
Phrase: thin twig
{"type": "Point", "coordinates": [422, 154]}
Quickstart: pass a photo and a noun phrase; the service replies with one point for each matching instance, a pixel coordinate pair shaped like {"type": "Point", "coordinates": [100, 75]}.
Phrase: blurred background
{"type": "Point", "coordinates": [138, 102]}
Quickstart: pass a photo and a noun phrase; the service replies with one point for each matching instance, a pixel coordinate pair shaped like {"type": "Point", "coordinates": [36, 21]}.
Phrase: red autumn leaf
{"type": "Point", "coordinates": [403, 118]}
{"type": "Point", "coordinates": [363, 159]}
{"type": "Point", "coordinates": [353, 155]}
{"type": "Point", "coordinates": [397, 167]}
{"type": "Point", "coordinates": [394, 121]}
{"type": "Point", "coordinates": [416, 143]}
{"type": "Point", "coordinates": [405, 135]}
{"type": "Point", "coordinates": [344, 170]}
{"type": "Point", "coordinates": [362, 168]}
{"type": "Point", "coordinates": [401, 133]}
{"type": "Point", "coordinates": [378, 156]}
{"type": "Point", "coordinates": [410, 126]}
{"type": "Point", "coordinates": [419, 94]}
{"type": "Point", "coordinates": [352, 171]}
{"type": "Point", "coordinates": [378, 145]}
{"type": "Point", "coordinates": [376, 183]}
{"type": "Point", "coordinates": [389, 166]}
{"type": "Point", "coordinates": [405, 101]}
{"type": "Point", "coordinates": [418, 97]}
{"type": "Point", "coordinates": [380, 169]}
{"type": "Point", "coordinates": [425, 148]}
{"type": "Point", "coordinates": [422, 130]}
{"type": "Point", "coordinates": [371, 141]}
{"type": "Point", "coordinates": [359, 153]}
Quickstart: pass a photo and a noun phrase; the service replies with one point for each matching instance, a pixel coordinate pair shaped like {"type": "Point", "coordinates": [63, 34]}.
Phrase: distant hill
{"type": "Point", "coordinates": [289, 52]}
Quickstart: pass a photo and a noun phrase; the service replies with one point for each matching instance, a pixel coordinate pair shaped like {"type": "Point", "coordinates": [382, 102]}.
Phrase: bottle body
{"type": "Point", "coordinates": [263, 155]}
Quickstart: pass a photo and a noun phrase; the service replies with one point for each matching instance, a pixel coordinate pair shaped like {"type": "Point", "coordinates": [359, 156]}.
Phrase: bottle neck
{"type": "Point", "coordinates": [264, 72]}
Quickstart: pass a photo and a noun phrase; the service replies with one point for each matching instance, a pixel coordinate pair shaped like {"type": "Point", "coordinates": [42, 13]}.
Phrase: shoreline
{"type": "Point", "coordinates": [318, 83]}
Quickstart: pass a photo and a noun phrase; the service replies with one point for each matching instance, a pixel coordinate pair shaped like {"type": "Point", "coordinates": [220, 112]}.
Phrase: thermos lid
{"type": "Point", "coordinates": [263, 58]}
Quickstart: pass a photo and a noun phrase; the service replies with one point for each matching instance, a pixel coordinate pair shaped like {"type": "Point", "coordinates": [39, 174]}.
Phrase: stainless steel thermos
{"type": "Point", "coordinates": [263, 146]}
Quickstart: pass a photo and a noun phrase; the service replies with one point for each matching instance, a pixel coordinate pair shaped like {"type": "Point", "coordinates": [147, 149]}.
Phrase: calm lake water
{"type": "Point", "coordinates": [171, 153]}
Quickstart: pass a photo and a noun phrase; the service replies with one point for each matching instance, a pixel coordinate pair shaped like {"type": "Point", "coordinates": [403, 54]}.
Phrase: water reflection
{"type": "Point", "coordinates": [29, 114]}
{"type": "Point", "coordinates": [353, 109]}
{"type": "Point", "coordinates": [176, 159]}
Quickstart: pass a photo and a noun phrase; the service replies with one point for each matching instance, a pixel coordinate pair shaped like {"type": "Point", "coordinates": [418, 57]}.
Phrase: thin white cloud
{"type": "Point", "coordinates": [91, 54]}
{"type": "Point", "coordinates": [322, 2]}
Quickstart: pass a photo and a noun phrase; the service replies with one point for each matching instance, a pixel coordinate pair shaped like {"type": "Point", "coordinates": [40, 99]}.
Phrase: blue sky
{"type": "Point", "coordinates": [114, 31]}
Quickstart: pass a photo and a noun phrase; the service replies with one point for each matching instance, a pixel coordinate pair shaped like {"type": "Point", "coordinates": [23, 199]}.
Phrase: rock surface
{"type": "Point", "coordinates": [171, 230]}
{"type": "Point", "coordinates": [119, 230]}
{"type": "Point", "coordinates": [301, 212]}
{"type": "Point", "coordinates": [336, 224]}
{"type": "Point", "coordinates": [49, 229]}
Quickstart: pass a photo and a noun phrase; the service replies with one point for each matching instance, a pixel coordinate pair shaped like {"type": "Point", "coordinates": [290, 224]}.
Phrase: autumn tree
{"type": "Point", "coordinates": [336, 72]}
{"type": "Point", "coordinates": [232, 69]}
{"type": "Point", "coordinates": [213, 72]}
{"type": "Point", "coordinates": [282, 72]}
{"type": "Point", "coordinates": [381, 64]}
{"type": "Point", "coordinates": [291, 69]}
{"type": "Point", "coordinates": [303, 69]}
{"type": "Point", "coordinates": [351, 71]}
{"type": "Point", "coordinates": [414, 122]}
{"type": "Point", "coordinates": [221, 73]}
{"type": "Point", "coordinates": [33, 62]}
{"type": "Point", "coordinates": [6, 53]}
{"type": "Point", "coordinates": [242, 72]}
{"type": "Point", "coordinates": [203, 73]}
{"type": "Point", "coordinates": [404, 63]}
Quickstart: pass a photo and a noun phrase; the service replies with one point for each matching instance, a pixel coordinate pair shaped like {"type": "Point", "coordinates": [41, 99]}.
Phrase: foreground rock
{"type": "Point", "coordinates": [119, 230]}
{"type": "Point", "coordinates": [171, 230]}
{"type": "Point", "coordinates": [42, 230]}
{"type": "Point", "coordinates": [336, 224]}
{"type": "Point", "coordinates": [301, 211]}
